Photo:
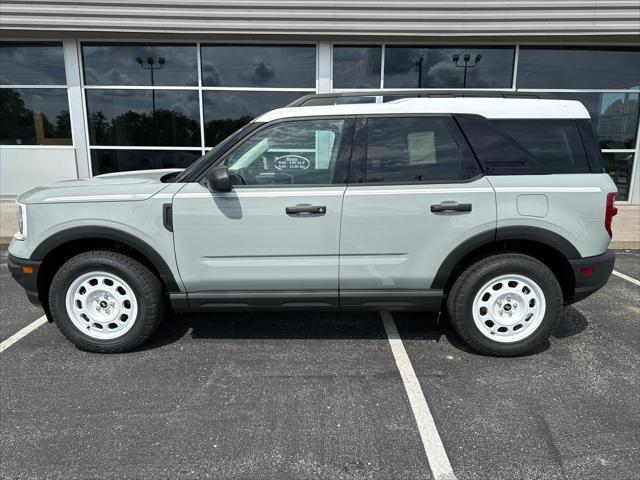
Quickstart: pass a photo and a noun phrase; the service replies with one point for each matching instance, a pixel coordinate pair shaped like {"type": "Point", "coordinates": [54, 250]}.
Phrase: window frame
{"type": "Point", "coordinates": [66, 86]}
{"type": "Point", "coordinates": [199, 87]}
{"type": "Point", "coordinates": [358, 165]}
{"type": "Point", "coordinates": [343, 157]}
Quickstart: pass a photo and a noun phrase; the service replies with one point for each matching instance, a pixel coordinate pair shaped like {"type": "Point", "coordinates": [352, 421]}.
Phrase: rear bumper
{"type": "Point", "coordinates": [28, 281]}
{"type": "Point", "coordinates": [601, 267]}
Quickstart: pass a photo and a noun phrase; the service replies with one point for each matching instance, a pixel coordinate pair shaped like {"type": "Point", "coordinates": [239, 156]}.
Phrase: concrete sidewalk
{"type": "Point", "coordinates": [626, 225]}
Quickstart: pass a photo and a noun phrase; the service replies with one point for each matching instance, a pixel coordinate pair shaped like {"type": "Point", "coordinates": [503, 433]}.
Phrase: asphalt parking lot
{"type": "Point", "coordinates": [321, 396]}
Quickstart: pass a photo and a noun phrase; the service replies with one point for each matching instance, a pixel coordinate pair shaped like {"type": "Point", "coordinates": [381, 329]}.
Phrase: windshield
{"type": "Point", "coordinates": [214, 153]}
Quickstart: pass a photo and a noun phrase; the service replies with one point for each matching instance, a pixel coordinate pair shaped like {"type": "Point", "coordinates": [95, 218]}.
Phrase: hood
{"type": "Point", "coordinates": [122, 186]}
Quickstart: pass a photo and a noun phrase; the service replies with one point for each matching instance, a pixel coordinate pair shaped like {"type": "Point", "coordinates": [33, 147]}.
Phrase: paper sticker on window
{"type": "Point", "coordinates": [422, 148]}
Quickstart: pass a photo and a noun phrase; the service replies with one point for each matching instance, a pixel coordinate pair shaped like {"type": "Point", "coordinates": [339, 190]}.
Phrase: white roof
{"type": "Point", "coordinates": [485, 106]}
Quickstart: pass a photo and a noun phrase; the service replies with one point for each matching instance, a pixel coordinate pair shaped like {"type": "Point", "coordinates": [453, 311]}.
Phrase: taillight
{"type": "Point", "coordinates": [610, 212]}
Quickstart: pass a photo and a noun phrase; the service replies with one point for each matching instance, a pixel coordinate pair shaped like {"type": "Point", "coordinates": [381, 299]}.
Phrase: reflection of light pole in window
{"type": "Point", "coordinates": [151, 67]}
{"type": "Point", "coordinates": [466, 58]}
{"type": "Point", "coordinates": [419, 63]}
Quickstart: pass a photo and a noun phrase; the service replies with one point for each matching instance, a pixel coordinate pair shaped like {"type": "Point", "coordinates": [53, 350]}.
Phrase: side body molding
{"type": "Point", "coordinates": [112, 234]}
{"type": "Point", "coordinates": [535, 234]}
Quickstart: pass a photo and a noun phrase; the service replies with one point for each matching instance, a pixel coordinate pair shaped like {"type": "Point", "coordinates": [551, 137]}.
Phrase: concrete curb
{"type": "Point", "coordinates": [625, 245]}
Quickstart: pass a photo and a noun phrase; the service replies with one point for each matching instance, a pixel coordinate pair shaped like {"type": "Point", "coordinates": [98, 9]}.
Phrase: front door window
{"type": "Point", "coordinates": [292, 153]}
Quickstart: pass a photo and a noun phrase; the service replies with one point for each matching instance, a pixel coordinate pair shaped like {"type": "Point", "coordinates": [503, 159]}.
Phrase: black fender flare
{"type": "Point", "coordinates": [112, 234]}
{"type": "Point", "coordinates": [536, 234]}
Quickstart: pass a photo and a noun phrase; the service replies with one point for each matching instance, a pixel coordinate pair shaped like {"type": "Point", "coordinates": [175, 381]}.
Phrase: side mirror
{"type": "Point", "coordinates": [219, 179]}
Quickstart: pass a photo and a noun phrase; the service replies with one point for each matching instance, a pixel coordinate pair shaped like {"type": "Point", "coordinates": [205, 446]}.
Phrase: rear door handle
{"type": "Point", "coordinates": [306, 209]}
{"type": "Point", "coordinates": [453, 207]}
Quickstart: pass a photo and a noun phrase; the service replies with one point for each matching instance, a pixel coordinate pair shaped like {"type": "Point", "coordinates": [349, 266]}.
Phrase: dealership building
{"type": "Point", "coordinates": [91, 87]}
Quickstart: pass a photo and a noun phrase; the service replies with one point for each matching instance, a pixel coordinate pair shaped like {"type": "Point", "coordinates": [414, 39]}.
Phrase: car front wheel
{"type": "Point", "coordinates": [505, 304]}
{"type": "Point", "coordinates": [104, 301]}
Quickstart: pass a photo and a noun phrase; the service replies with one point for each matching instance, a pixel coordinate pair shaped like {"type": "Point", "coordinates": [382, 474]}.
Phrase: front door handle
{"type": "Point", "coordinates": [306, 209]}
{"type": "Point", "coordinates": [453, 207]}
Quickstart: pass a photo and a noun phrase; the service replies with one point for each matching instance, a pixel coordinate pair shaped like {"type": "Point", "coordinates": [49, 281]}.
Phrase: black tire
{"type": "Point", "coordinates": [463, 292]}
{"type": "Point", "coordinates": [145, 285]}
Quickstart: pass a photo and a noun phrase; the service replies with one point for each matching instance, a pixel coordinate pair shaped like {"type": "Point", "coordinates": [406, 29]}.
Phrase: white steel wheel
{"type": "Point", "coordinates": [101, 305]}
{"type": "Point", "coordinates": [509, 308]}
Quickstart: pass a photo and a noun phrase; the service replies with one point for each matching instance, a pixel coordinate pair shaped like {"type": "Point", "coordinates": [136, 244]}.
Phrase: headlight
{"type": "Point", "coordinates": [21, 234]}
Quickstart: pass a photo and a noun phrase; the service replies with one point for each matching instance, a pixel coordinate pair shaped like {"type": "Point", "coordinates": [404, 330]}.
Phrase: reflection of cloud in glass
{"type": "Point", "coordinates": [258, 66]}
{"type": "Point", "coordinates": [115, 64]}
{"type": "Point", "coordinates": [356, 66]}
{"type": "Point", "coordinates": [439, 71]}
{"type": "Point", "coordinates": [259, 73]}
{"type": "Point", "coordinates": [31, 64]}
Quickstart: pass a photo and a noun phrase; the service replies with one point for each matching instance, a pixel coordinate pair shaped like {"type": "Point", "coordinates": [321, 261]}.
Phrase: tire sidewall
{"type": "Point", "coordinates": [527, 267]}
{"type": "Point", "coordinates": [58, 293]}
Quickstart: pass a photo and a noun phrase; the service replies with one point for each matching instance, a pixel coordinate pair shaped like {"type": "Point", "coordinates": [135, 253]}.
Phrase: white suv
{"type": "Point", "coordinates": [496, 210]}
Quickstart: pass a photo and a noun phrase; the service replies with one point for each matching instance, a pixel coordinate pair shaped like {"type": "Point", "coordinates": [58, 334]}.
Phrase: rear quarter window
{"type": "Point", "coordinates": [525, 146]}
{"type": "Point", "coordinates": [555, 144]}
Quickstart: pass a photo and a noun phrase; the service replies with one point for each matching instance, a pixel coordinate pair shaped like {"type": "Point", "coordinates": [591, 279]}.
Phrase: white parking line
{"type": "Point", "coordinates": [22, 333]}
{"type": "Point", "coordinates": [626, 277]}
{"type": "Point", "coordinates": [436, 454]}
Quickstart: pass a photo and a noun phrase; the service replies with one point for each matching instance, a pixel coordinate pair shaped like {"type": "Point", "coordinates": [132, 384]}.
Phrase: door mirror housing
{"type": "Point", "coordinates": [218, 179]}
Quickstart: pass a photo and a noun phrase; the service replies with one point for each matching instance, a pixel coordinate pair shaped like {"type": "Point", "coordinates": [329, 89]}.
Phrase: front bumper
{"type": "Point", "coordinates": [28, 281]}
{"type": "Point", "coordinates": [601, 267]}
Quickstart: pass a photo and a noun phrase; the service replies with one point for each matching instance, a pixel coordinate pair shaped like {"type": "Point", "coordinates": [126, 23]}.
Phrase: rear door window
{"type": "Point", "coordinates": [411, 150]}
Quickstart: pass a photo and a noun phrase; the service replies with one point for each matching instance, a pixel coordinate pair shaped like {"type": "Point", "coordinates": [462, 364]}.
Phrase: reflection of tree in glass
{"type": "Point", "coordinates": [218, 130]}
{"type": "Point", "coordinates": [165, 127]}
{"type": "Point", "coordinates": [20, 124]}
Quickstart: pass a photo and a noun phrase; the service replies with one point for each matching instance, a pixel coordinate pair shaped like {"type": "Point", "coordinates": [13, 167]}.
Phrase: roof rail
{"type": "Point", "coordinates": [317, 99]}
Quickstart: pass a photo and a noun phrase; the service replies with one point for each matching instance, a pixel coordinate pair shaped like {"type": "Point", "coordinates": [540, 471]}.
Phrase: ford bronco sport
{"type": "Point", "coordinates": [496, 211]}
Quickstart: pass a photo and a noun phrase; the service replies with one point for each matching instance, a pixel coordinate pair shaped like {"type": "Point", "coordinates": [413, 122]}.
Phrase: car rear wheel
{"type": "Point", "coordinates": [105, 301]}
{"type": "Point", "coordinates": [505, 305]}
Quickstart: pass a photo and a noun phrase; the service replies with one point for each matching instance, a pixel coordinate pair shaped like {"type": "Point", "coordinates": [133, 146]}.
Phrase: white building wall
{"type": "Point", "coordinates": [399, 18]}
{"type": "Point", "coordinates": [24, 168]}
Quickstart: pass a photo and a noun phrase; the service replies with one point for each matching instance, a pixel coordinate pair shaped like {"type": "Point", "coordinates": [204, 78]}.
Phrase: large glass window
{"type": "Point", "coordinates": [143, 117]}
{"type": "Point", "coordinates": [140, 64]}
{"type": "Point", "coordinates": [32, 63]}
{"type": "Point", "coordinates": [459, 67]}
{"type": "Point", "coordinates": [356, 66]}
{"type": "Point", "coordinates": [227, 111]}
{"type": "Point", "coordinates": [260, 66]}
{"type": "Point", "coordinates": [575, 68]}
{"type": "Point", "coordinates": [109, 161]}
{"type": "Point", "coordinates": [149, 96]}
{"type": "Point", "coordinates": [411, 150]}
{"type": "Point", "coordinates": [296, 153]}
{"type": "Point", "coordinates": [33, 116]}
{"type": "Point", "coordinates": [614, 116]}
{"type": "Point", "coordinates": [620, 166]}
